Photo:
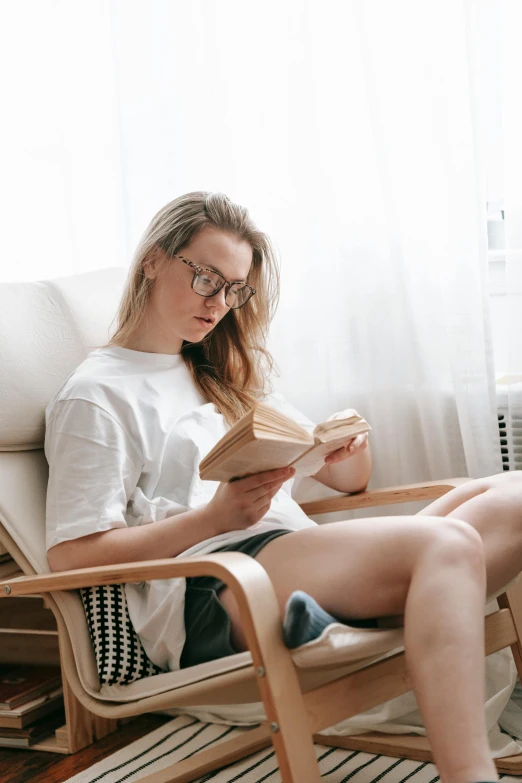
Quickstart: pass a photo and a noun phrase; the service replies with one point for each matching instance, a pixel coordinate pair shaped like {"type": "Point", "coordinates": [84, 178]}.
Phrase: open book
{"type": "Point", "coordinates": [264, 439]}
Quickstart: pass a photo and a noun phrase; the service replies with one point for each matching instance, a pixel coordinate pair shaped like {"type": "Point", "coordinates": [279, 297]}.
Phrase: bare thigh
{"type": "Point", "coordinates": [354, 570]}
{"type": "Point", "coordinates": [493, 507]}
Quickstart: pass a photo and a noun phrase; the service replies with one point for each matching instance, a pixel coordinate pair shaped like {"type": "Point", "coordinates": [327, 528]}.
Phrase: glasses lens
{"type": "Point", "coordinates": [207, 284]}
{"type": "Point", "coordinates": [238, 295]}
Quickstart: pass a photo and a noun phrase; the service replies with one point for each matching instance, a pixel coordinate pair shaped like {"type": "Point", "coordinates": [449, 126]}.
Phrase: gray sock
{"type": "Point", "coordinates": [304, 620]}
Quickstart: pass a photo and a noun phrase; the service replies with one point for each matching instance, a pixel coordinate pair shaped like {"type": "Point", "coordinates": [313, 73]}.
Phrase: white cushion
{"type": "Point", "coordinates": [48, 327]}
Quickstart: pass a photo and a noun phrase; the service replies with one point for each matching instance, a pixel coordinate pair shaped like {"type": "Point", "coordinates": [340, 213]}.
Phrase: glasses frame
{"type": "Point", "coordinates": [227, 283]}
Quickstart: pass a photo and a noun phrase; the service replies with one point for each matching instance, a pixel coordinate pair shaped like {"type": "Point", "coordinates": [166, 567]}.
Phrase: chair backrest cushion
{"type": "Point", "coordinates": [47, 329]}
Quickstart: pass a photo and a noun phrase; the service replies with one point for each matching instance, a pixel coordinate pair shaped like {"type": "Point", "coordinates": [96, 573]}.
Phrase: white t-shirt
{"type": "Point", "coordinates": [124, 437]}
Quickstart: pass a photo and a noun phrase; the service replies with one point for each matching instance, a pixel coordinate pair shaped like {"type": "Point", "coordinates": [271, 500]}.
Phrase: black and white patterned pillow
{"type": "Point", "coordinates": [120, 656]}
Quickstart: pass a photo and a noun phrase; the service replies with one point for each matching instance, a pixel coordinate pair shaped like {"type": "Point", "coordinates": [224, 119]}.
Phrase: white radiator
{"type": "Point", "coordinates": [510, 434]}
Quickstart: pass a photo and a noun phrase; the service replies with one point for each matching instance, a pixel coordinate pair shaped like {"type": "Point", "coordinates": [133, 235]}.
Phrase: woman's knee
{"type": "Point", "coordinates": [501, 504]}
{"type": "Point", "coordinates": [455, 540]}
{"type": "Point", "coordinates": [508, 482]}
{"type": "Point", "coordinates": [510, 485]}
{"type": "Point", "coordinates": [507, 476]}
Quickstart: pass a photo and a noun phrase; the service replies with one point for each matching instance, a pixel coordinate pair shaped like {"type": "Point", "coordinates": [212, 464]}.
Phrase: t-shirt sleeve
{"type": "Point", "coordinates": [93, 470]}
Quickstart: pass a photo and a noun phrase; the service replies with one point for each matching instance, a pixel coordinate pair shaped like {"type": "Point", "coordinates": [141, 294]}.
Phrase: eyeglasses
{"type": "Point", "coordinates": [207, 282]}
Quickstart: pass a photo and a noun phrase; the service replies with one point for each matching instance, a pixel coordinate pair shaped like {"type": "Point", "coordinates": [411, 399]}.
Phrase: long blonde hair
{"type": "Point", "coordinates": [231, 366]}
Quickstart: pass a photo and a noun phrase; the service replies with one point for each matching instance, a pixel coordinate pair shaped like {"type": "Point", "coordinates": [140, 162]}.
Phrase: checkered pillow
{"type": "Point", "coordinates": [120, 657]}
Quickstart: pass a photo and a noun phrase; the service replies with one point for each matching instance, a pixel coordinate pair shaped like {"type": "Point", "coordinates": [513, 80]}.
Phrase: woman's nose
{"type": "Point", "coordinates": [219, 298]}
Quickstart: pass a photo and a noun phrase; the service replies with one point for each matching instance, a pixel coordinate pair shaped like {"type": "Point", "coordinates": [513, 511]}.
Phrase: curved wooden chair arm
{"type": "Point", "coordinates": [261, 621]}
{"type": "Point", "coordinates": [246, 578]}
{"type": "Point", "coordinates": [240, 572]}
{"type": "Point", "coordinates": [427, 490]}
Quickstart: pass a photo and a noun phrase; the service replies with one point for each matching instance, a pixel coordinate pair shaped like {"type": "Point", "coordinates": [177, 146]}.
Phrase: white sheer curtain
{"type": "Point", "coordinates": [501, 61]}
{"type": "Point", "coordinates": [347, 128]}
{"type": "Point", "coordinates": [512, 158]}
{"type": "Point", "coordinates": [61, 196]}
{"type": "Point", "coordinates": [353, 142]}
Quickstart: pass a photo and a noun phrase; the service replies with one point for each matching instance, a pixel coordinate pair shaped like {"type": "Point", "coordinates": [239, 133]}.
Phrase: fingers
{"type": "Point", "coordinates": [252, 496]}
{"type": "Point", "coordinates": [345, 414]}
{"type": "Point", "coordinates": [358, 443]}
{"type": "Point", "coordinates": [265, 492]}
{"type": "Point", "coordinates": [354, 445]}
{"type": "Point", "coordinates": [253, 483]}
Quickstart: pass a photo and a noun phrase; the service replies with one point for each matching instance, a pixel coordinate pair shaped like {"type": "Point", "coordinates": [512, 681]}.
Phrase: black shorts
{"type": "Point", "coordinates": [207, 624]}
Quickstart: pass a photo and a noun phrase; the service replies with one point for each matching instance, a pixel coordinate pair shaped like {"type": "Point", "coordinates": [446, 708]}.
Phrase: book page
{"type": "Point", "coordinates": [31, 705]}
{"type": "Point", "coordinates": [342, 430]}
{"type": "Point", "coordinates": [255, 457]}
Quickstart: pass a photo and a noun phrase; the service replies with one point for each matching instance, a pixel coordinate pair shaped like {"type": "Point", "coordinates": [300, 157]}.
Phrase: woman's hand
{"type": "Point", "coordinates": [240, 504]}
{"type": "Point", "coordinates": [353, 447]}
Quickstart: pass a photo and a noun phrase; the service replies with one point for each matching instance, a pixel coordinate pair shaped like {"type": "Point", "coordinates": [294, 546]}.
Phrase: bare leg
{"type": "Point", "coordinates": [493, 506]}
{"type": "Point", "coordinates": [434, 574]}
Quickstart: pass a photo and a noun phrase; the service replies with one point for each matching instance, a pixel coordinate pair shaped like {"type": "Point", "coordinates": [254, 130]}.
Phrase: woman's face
{"type": "Point", "coordinates": [175, 311]}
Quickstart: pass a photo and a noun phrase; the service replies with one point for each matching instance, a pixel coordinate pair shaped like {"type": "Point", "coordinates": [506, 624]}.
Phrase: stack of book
{"type": "Point", "coordinates": [31, 704]}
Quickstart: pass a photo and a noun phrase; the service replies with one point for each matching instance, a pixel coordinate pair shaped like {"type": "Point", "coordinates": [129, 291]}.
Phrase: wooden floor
{"type": "Point", "coordinates": [22, 766]}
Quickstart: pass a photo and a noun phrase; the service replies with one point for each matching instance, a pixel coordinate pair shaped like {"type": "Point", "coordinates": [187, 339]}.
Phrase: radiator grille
{"type": "Point", "coordinates": [510, 435]}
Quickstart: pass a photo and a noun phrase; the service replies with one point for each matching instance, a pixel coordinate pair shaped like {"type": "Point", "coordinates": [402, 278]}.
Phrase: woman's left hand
{"type": "Point", "coordinates": [349, 450]}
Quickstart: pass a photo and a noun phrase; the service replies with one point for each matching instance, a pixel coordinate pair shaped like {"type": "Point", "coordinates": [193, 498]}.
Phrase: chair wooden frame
{"type": "Point", "coordinates": [294, 718]}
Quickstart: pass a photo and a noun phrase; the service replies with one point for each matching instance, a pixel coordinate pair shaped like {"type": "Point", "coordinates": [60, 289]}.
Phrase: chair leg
{"type": "Point", "coordinates": [405, 746]}
{"type": "Point", "coordinates": [416, 747]}
{"type": "Point", "coordinates": [278, 683]}
{"type": "Point", "coordinates": [288, 720]}
{"type": "Point", "coordinates": [512, 600]}
{"type": "Point", "coordinates": [213, 758]}
{"type": "Point", "coordinates": [82, 727]}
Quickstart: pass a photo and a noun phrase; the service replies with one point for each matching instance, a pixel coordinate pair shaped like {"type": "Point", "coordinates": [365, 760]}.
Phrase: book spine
{"type": "Point", "coordinates": [21, 721]}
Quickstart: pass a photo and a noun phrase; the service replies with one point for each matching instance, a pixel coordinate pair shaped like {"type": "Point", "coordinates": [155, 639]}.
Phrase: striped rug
{"type": "Point", "coordinates": [184, 736]}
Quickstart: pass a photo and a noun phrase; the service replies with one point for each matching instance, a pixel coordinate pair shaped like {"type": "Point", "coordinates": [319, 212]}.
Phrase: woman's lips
{"type": "Point", "coordinates": [202, 321]}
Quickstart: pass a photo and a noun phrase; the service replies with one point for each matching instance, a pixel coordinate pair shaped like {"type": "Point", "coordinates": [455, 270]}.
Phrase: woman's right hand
{"type": "Point", "coordinates": [239, 504]}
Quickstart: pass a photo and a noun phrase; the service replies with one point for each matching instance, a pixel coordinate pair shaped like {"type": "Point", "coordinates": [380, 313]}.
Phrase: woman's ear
{"type": "Point", "coordinates": [151, 263]}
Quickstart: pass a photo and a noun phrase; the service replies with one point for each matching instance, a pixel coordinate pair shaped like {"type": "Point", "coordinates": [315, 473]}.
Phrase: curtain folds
{"type": "Point", "coordinates": [61, 193]}
{"type": "Point", "coordinates": [354, 145]}
{"type": "Point", "coordinates": [511, 156]}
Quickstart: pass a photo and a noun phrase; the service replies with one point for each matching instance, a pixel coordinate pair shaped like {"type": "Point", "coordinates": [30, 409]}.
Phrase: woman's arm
{"type": "Point", "coordinates": [163, 538]}
{"type": "Point", "coordinates": [235, 506]}
{"type": "Point", "coordinates": [349, 471]}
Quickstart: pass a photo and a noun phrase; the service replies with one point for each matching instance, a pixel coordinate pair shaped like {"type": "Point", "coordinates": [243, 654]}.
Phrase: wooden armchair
{"type": "Point", "coordinates": [303, 691]}
{"type": "Point", "coordinates": [47, 328]}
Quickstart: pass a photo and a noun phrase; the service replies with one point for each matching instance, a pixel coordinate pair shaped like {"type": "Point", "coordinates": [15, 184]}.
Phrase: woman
{"type": "Point", "coordinates": [124, 438]}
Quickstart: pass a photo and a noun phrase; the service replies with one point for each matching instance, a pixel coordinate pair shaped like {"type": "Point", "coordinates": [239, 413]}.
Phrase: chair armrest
{"type": "Point", "coordinates": [246, 578]}
{"type": "Point", "coordinates": [427, 490]}
{"type": "Point", "coordinates": [233, 568]}
{"type": "Point", "coordinates": [258, 609]}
